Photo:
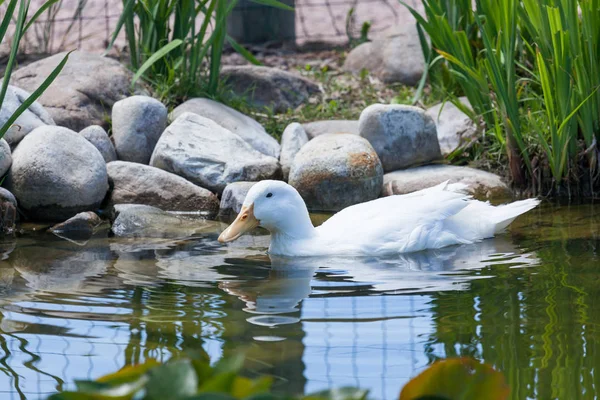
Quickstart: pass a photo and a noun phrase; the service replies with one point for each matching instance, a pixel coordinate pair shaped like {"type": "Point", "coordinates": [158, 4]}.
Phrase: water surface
{"type": "Point", "coordinates": [525, 302]}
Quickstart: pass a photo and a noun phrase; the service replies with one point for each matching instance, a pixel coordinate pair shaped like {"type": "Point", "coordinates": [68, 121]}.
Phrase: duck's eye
{"type": "Point", "coordinates": [269, 194]}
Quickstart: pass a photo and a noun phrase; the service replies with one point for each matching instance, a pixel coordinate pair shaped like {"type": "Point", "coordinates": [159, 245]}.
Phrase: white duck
{"type": "Point", "coordinates": [428, 219]}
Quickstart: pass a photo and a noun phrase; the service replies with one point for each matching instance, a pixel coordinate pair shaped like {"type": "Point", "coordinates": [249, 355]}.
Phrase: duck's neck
{"type": "Point", "coordinates": [290, 232]}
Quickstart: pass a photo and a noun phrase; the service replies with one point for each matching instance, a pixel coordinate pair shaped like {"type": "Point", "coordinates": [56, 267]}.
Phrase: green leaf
{"type": "Point", "coordinates": [274, 3]}
{"type": "Point", "coordinates": [126, 13]}
{"type": "Point", "coordinates": [160, 53]}
{"type": "Point", "coordinates": [211, 396]}
{"type": "Point", "coordinates": [129, 373]}
{"type": "Point", "coordinates": [345, 393]}
{"type": "Point", "coordinates": [457, 378]}
{"type": "Point", "coordinates": [34, 96]}
{"type": "Point", "coordinates": [10, 9]}
{"type": "Point", "coordinates": [37, 14]}
{"type": "Point", "coordinates": [110, 390]}
{"type": "Point", "coordinates": [244, 387]}
{"type": "Point", "coordinates": [243, 51]}
{"type": "Point", "coordinates": [173, 380]}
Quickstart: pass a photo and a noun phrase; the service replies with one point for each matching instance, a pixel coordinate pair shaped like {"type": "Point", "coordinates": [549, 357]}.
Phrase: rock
{"type": "Point", "coordinates": [56, 174]}
{"type": "Point", "coordinates": [401, 135]}
{"type": "Point", "coordinates": [454, 127]}
{"type": "Point", "coordinates": [233, 196]}
{"type": "Point", "coordinates": [334, 171]}
{"type": "Point", "coordinates": [396, 58]}
{"type": "Point", "coordinates": [138, 122]}
{"type": "Point", "coordinates": [292, 140]}
{"type": "Point", "coordinates": [5, 157]}
{"type": "Point", "coordinates": [97, 136]}
{"type": "Point", "coordinates": [138, 220]}
{"type": "Point", "coordinates": [84, 91]}
{"type": "Point", "coordinates": [317, 128]}
{"type": "Point", "coordinates": [232, 120]}
{"type": "Point", "coordinates": [30, 119]}
{"type": "Point", "coordinates": [481, 184]}
{"type": "Point", "coordinates": [268, 87]}
{"type": "Point", "coordinates": [79, 227]}
{"type": "Point", "coordinates": [8, 213]}
{"type": "Point", "coordinates": [134, 183]}
{"type": "Point", "coordinates": [209, 155]}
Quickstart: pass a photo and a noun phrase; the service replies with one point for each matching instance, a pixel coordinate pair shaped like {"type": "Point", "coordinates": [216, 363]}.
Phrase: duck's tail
{"type": "Point", "coordinates": [504, 215]}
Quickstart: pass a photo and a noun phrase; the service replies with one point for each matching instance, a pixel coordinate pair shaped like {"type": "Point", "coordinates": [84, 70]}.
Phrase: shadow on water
{"type": "Point", "coordinates": [523, 302]}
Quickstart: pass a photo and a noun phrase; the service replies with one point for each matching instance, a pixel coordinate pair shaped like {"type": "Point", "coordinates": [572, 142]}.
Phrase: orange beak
{"type": "Point", "coordinates": [244, 222]}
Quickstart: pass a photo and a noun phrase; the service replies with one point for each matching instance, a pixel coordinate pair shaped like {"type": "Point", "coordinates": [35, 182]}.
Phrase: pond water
{"type": "Point", "coordinates": [525, 302]}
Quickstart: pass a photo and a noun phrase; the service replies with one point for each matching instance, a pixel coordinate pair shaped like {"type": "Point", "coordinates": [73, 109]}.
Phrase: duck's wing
{"type": "Point", "coordinates": [391, 224]}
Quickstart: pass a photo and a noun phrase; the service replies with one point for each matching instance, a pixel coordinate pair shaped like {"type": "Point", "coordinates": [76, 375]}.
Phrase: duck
{"type": "Point", "coordinates": [431, 218]}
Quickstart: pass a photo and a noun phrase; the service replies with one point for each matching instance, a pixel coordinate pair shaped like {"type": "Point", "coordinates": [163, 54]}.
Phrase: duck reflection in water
{"type": "Point", "coordinates": [291, 279]}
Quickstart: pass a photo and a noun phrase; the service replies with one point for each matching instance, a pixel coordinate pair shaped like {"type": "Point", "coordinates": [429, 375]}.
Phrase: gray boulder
{"type": "Point", "coordinates": [8, 214]}
{"type": "Point", "coordinates": [6, 196]}
{"type": "Point", "coordinates": [134, 183]}
{"type": "Point", "coordinates": [292, 140]}
{"type": "Point", "coordinates": [97, 136]}
{"type": "Point", "coordinates": [138, 220]}
{"type": "Point", "coordinates": [56, 174]}
{"type": "Point", "coordinates": [34, 116]}
{"type": "Point", "coordinates": [318, 128]}
{"type": "Point", "coordinates": [232, 120]}
{"type": "Point", "coordinates": [137, 122]}
{"type": "Point", "coordinates": [79, 227]}
{"type": "Point", "coordinates": [209, 155]}
{"type": "Point", "coordinates": [233, 197]}
{"type": "Point", "coordinates": [401, 135]}
{"type": "Point", "coordinates": [268, 87]}
{"type": "Point", "coordinates": [84, 91]}
{"type": "Point", "coordinates": [481, 184]}
{"type": "Point", "coordinates": [334, 171]}
{"type": "Point", "coordinates": [5, 157]}
{"type": "Point", "coordinates": [396, 58]}
{"type": "Point", "coordinates": [454, 127]}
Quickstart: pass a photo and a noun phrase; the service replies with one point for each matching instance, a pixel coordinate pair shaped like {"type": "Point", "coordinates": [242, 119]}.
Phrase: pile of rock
{"type": "Point", "coordinates": [60, 163]}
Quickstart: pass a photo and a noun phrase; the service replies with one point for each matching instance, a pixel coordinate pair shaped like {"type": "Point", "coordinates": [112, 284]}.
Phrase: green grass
{"type": "Point", "coordinates": [531, 72]}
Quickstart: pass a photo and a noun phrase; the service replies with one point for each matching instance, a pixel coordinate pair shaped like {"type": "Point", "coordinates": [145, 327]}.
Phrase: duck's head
{"type": "Point", "coordinates": [274, 205]}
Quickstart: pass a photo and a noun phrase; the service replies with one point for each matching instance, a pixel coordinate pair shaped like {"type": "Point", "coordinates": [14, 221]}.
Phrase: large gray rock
{"type": "Point", "coordinates": [209, 155]}
{"type": "Point", "coordinates": [398, 57]}
{"type": "Point", "coordinates": [5, 157]}
{"type": "Point", "coordinates": [232, 120]}
{"type": "Point", "coordinates": [268, 87]}
{"type": "Point", "coordinates": [6, 196]}
{"type": "Point", "coordinates": [334, 171]}
{"type": "Point", "coordinates": [481, 184]}
{"type": "Point", "coordinates": [56, 174]}
{"type": "Point", "coordinates": [454, 127]}
{"type": "Point", "coordinates": [30, 119]}
{"type": "Point", "coordinates": [292, 140]}
{"type": "Point", "coordinates": [318, 128]}
{"type": "Point", "coordinates": [97, 136]}
{"type": "Point", "coordinates": [233, 197]}
{"type": "Point", "coordinates": [134, 183]}
{"type": "Point", "coordinates": [137, 122]}
{"type": "Point", "coordinates": [401, 135]}
{"type": "Point", "coordinates": [139, 220]}
{"type": "Point", "coordinates": [84, 91]}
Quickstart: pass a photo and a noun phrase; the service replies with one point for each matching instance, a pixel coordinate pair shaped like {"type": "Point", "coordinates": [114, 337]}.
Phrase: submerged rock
{"type": "Point", "coordinates": [209, 155]}
{"type": "Point", "coordinates": [137, 123]}
{"type": "Point", "coordinates": [318, 128]}
{"type": "Point", "coordinates": [292, 140]}
{"type": "Point", "coordinates": [398, 57]}
{"type": "Point", "coordinates": [34, 116]}
{"type": "Point", "coordinates": [8, 212]}
{"type": "Point", "coordinates": [233, 196]}
{"type": "Point", "coordinates": [245, 127]}
{"type": "Point", "coordinates": [454, 127]}
{"type": "Point", "coordinates": [5, 157]}
{"type": "Point", "coordinates": [268, 87]}
{"type": "Point", "coordinates": [79, 227]}
{"type": "Point", "coordinates": [481, 184]}
{"type": "Point", "coordinates": [56, 174]}
{"type": "Point", "coordinates": [334, 171]}
{"type": "Point", "coordinates": [138, 220]}
{"type": "Point", "coordinates": [134, 183]}
{"type": "Point", "coordinates": [401, 135]}
{"type": "Point", "coordinates": [84, 91]}
{"type": "Point", "coordinates": [97, 136]}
